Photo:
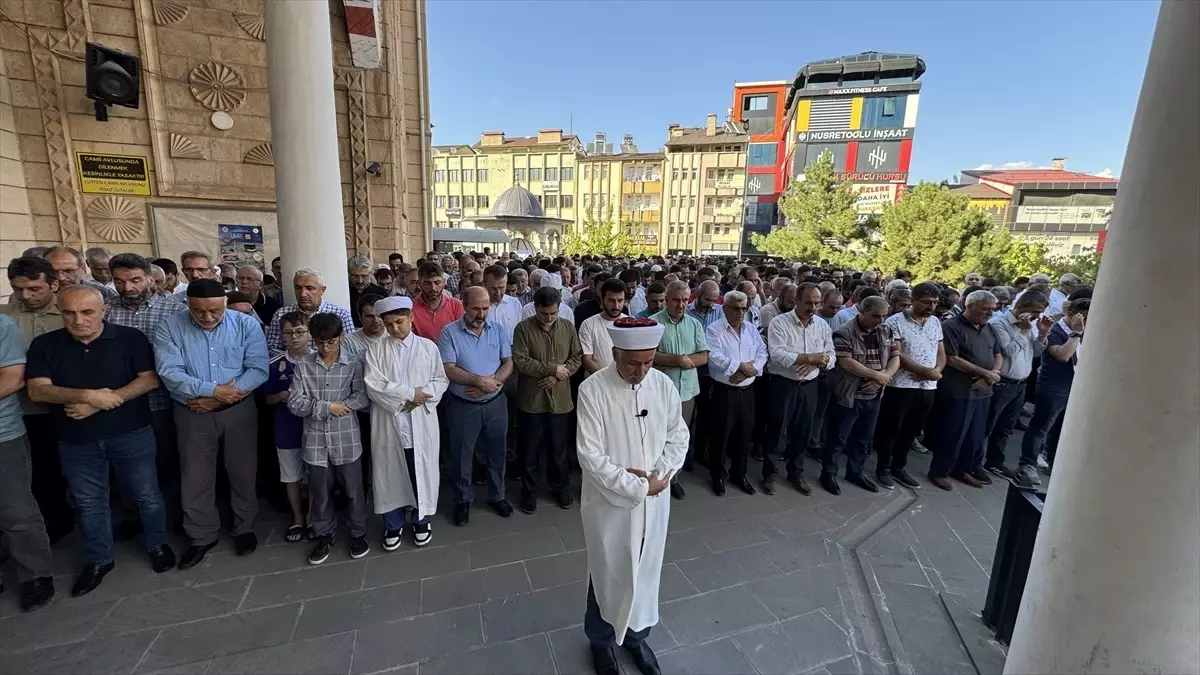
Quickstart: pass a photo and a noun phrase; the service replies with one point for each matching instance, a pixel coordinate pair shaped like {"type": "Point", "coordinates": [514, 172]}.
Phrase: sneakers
{"type": "Point", "coordinates": [1028, 475]}
{"type": "Point", "coordinates": [1003, 472]}
{"type": "Point", "coordinates": [422, 534]}
{"type": "Point", "coordinates": [1042, 462]}
{"type": "Point", "coordinates": [917, 447]}
{"type": "Point", "coordinates": [392, 539]}
{"type": "Point", "coordinates": [359, 547]}
{"type": "Point", "coordinates": [904, 478]}
{"type": "Point", "coordinates": [321, 551]}
{"type": "Point", "coordinates": [885, 479]}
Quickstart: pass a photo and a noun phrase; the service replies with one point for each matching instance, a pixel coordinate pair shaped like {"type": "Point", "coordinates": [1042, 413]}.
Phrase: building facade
{"type": "Point", "coordinates": [196, 154]}
{"type": "Point", "coordinates": [626, 188]}
{"type": "Point", "coordinates": [704, 178]}
{"type": "Point", "coordinates": [758, 109]}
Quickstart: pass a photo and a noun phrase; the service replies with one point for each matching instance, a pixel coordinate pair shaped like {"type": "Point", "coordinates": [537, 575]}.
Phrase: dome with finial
{"type": "Point", "coordinates": [517, 202]}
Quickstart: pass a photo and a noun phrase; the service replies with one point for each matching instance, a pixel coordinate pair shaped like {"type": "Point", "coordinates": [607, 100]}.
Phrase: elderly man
{"type": "Point", "coordinates": [159, 277]}
{"type": "Point", "coordinates": [1067, 283]}
{"type": "Point", "coordinates": [137, 306]}
{"type": "Point", "coordinates": [522, 292]}
{"type": "Point", "coordinates": [848, 313]}
{"type": "Point", "coordinates": [1021, 343]}
{"type": "Point", "coordinates": [960, 412]}
{"type": "Point", "coordinates": [362, 282]}
{"type": "Point", "coordinates": [193, 265]}
{"type": "Point", "coordinates": [737, 356]}
{"type": "Point", "coordinates": [249, 280]}
{"type": "Point", "coordinates": [466, 278]}
{"type": "Point", "coordinates": [681, 353]}
{"type": "Point", "coordinates": [478, 359]}
{"type": "Point", "coordinates": [546, 353]}
{"type": "Point", "coordinates": [593, 333]}
{"type": "Point", "coordinates": [800, 348]}
{"type": "Point", "coordinates": [405, 381]}
{"type": "Point", "coordinates": [309, 285]}
{"type": "Point", "coordinates": [97, 262]}
{"type": "Point", "coordinates": [70, 269]}
{"type": "Point", "coordinates": [211, 360]}
{"type": "Point", "coordinates": [95, 376]}
{"type": "Point", "coordinates": [1003, 299]}
{"type": "Point", "coordinates": [909, 397]}
{"type": "Point", "coordinates": [631, 441]}
{"type": "Point", "coordinates": [432, 308]}
{"type": "Point", "coordinates": [753, 313]}
{"type": "Point", "coordinates": [1033, 282]}
{"type": "Point", "coordinates": [868, 356]}
{"type": "Point", "coordinates": [408, 281]}
{"type": "Point", "coordinates": [972, 279]}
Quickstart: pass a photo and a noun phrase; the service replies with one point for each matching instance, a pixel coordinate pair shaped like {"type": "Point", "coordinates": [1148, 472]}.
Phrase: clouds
{"type": "Point", "coordinates": [1104, 173]}
{"type": "Point", "coordinates": [1009, 166]}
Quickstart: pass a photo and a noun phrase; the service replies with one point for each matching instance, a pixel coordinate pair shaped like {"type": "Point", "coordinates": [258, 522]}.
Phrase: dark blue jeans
{"type": "Point", "coordinates": [600, 632]}
{"type": "Point", "coordinates": [1008, 397]}
{"type": "Point", "coordinates": [86, 465]}
{"type": "Point", "coordinates": [958, 435]}
{"type": "Point", "coordinates": [483, 424]}
{"type": "Point", "coordinates": [1048, 408]}
{"type": "Point", "coordinates": [849, 430]}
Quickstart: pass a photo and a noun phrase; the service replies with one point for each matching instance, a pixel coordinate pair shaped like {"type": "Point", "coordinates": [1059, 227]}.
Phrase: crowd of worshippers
{"type": "Point", "coordinates": [138, 394]}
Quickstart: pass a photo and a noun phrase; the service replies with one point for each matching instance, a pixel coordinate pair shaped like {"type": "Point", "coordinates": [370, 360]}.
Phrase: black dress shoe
{"type": "Point", "coordinates": [90, 578]}
{"type": "Point", "coordinates": [502, 508]}
{"type": "Point", "coordinates": [604, 661]}
{"type": "Point", "coordinates": [830, 484]}
{"type": "Point", "coordinates": [162, 559]}
{"type": "Point", "coordinates": [245, 543]}
{"type": "Point", "coordinates": [718, 487]}
{"type": "Point", "coordinates": [194, 555]}
{"type": "Point", "coordinates": [528, 503]}
{"type": "Point", "coordinates": [36, 593]}
{"type": "Point", "coordinates": [462, 514]}
{"type": "Point", "coordinates": [677, 491]}
{"type": "Point", "coordinates": [643, 658]}
{"type": "Point", "coordinates": [744, 485]}
{"type": "Point", "coordinates": [862, 482]}
{"type": "Point", "coordinates": [565, 500]}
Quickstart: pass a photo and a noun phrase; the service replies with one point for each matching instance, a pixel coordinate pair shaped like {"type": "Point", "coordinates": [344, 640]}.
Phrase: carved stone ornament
{"type": "Point", "coordinates": [185, 148]}
{"type": "Point", "coordinates": [217, 86]}
{"type": "Point", "coordinates": [260, 154]}
{"type": "Point", "coordinates": [116, 219]}
{"type": "Point", "coordinates": [255, 26]}
{"type": "Point", "coordinates": [167, 13]}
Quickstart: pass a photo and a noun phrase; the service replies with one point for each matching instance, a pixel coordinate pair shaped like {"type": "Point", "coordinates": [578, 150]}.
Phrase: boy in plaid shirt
{"type": "Point", "coordinates": [327, 389]}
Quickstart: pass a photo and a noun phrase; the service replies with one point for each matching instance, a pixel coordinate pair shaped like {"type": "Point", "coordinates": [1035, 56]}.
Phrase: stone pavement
{"type": "Point", "coordinates": [858, 583]}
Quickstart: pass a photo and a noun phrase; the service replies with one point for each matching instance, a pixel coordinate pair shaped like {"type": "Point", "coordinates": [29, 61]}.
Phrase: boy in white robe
{"type": "Point", "coordinates": [631, 439]}
{"type": "Point", "coordinates": [405, 380]}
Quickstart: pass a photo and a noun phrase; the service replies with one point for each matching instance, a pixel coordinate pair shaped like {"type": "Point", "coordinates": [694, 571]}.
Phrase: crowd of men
{"type": "Point", "coordinates": [467, 369]}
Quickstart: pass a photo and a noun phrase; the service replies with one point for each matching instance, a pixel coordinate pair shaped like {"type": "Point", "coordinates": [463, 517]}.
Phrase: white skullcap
{"type": "Point", "coordinates": [392, 303]}
{"type": "Point", "coordinates": [656, 268]}
{"type": "Point", "coordinates": [635, 338]}
{"type": "Point", "coordinates": [552, 280]}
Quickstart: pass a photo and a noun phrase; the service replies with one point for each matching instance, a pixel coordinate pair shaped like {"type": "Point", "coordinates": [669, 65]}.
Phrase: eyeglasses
{"type": "Point", "coordinates": [295, 332]}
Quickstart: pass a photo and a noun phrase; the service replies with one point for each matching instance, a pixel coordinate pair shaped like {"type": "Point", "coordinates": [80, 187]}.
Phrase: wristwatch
{"type": "Point", "coordinates": [1076, 335]}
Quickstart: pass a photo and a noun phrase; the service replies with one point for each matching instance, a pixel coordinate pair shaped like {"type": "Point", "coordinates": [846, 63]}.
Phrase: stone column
{"type": "Point", "coordinates": [1114, 585]}
{"type": "Point", "coordinates": [308, 186]}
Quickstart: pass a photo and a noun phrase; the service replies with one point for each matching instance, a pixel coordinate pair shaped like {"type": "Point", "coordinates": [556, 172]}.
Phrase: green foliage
{"type": "Point", "coordinates": [598, 235]}
{"type": "Point", "coordinates": [821, 219]}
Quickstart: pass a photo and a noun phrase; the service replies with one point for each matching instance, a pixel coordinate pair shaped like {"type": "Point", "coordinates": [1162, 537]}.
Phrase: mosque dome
{"type": "Point", "coordinates": [517, 202]}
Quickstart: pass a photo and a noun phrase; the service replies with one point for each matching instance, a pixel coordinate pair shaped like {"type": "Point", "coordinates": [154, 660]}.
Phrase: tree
{"type": "Point", "coordinates": [821, 219]}
{"type": "Point", "coordinates": [598, 235]}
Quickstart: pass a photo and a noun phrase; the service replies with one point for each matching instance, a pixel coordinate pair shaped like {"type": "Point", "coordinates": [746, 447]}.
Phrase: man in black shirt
{"type": "Point", "coordinates": [590, 305]}
{"type": "Point", "coordinates": [96, 376]}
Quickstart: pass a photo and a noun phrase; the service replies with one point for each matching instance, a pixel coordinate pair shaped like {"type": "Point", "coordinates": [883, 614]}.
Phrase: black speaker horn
{"type": "Point", "coordinates": [112, 78]}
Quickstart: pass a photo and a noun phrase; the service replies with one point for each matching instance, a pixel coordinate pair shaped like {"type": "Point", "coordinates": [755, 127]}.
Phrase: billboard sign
{"type": "Point", "coordinates": [870, 177]}
{"type": "Point", "coordinates": [841, 135]}
{"type": "Point", "coordinates": [760, 183]}
{"type": "Point", "coordinates": [872, 197]}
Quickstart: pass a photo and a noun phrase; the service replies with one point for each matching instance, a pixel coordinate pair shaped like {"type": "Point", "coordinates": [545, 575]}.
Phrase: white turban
{"type": "Point", "coordinates": [635, 338]}
{"type": "Point", "coordinates": [392, 303]}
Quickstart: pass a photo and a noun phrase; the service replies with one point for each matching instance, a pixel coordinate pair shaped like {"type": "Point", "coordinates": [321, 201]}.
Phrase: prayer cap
{"type": "Point", "coordinates": [393, 303]}
{"type": "Point", "coordinates": [633, 335]}
{"type": "Point", "coordinates": [205, 288]}
{"type": "Point", "coordinates": [656, 268]}
{"type": "Point", "coordinates": [552, 280]}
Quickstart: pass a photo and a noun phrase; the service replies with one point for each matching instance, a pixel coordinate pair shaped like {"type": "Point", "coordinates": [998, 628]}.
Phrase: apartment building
{"type": "Point", "coordinates": [704, 178]}
{"type": "Point", "coordinates": [628, 187]}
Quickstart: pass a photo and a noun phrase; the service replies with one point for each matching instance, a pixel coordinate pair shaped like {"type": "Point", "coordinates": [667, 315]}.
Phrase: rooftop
{"type": "Point", "coordinates": [527, 142]}
{"type": "Point", "coordinates": [979, 191]}
{"type": "Point", "coordinates": [630, 156]}
{"type": "Point", "coordinates": [698, 136]}
{"type": "Point", "coordinates": [1023, 176]}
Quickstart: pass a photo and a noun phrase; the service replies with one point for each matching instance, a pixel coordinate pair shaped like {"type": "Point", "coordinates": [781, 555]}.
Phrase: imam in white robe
{"type": "Point", "coordinates": [394, 370]}
{"type": "Point", "coordinates": [626, 531]}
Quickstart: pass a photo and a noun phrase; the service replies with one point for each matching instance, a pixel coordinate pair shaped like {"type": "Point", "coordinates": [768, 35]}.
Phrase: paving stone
{"type": "Point", "coordinates": [98, 655]}
{"type": "Point", "coordinates": [556, 570]}
{"type": "Point", "coordinates": [672, 585]}
{"type": "Point", "coordinates": [797, 553]}
{"type": "Point", "coordinates": [804, 520]}
{"type": "Point", "coordinates": [266, 560]}
{"type": "Point", "coordinates": [505, 580]}
{"type": "Point", "coordinates": [797, 645]}
{"type": "Point", "coordinates": [63, 621]}
{"type": "Point", "coordinates": [339, 613]}
{"type": "Point", "coordinates": [703, 617]}
{"type": "Point", "coordinates": [130, 577]}
{"type": "Point", "coordinates": [417, 638]}
{"type": "Point", "coordinates": [416, 564]}
{"type": "Point", "coordinates": [453, 590]}
{"type": "Point", "coordinates": [197, 668]}
{"type": "Point", "coordinates": [571, 653]}
{"type": "Point", "coordinates": [330, 654]}
{"type": "Point", "coordinates": [685, 546]}
{"type": "Point", "coordinates": [799, 592]}
{"type": "Point", "coordinates": [315, 582]}
{"type": "Point", "coordinates": [739, 534]}
{"type": "Point", "coordinates": [924, 628]}
{"type": "Point", "coordinates": [719, 657]}
{"type": "Point", "coordinates": [537, 612]}
{"type": "Point", "coordinates": [153, 610]}
{"type": "Point", "coordinates": [213, 638]}
{"type": "Point", "coordinates": [572, 536]}
{"type": "Point", "coordinates": [902, 572]}
{"type": "Point", "coordinates": [528, 656]}
{"type": "Point", "coordinates": [727, 569]}
{"type": "Point", "coordinates": [514, 547]}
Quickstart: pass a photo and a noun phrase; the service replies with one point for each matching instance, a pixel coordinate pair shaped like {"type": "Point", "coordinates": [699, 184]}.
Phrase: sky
{"type": "Point", "coordinates": [1008, 84]}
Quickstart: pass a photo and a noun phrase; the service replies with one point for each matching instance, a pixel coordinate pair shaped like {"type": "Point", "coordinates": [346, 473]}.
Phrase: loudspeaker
{"type": "Point", "coordinates": [112, 78]}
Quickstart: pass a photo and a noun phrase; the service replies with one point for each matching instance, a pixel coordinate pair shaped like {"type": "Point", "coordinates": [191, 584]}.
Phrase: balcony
{"type": "Point", "coordinates": [649, 187]}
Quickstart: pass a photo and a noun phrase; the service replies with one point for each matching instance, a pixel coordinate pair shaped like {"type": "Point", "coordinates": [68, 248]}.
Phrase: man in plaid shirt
{"type": "Point", "coordinates": [136, 305]}
{"type": "Point", "coordinates": [326, 390]}
{"type": "Point", "coordinates": [309, 285]}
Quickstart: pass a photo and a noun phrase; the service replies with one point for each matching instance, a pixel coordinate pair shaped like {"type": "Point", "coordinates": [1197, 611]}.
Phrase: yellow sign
{"type": "Point", "coordinates": [113, 174]}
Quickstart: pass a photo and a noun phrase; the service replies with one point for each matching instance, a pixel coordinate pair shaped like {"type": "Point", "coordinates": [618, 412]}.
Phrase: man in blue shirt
{"type": "Point", "coordinates": [478, 359]}
{"type": "Point", "coordinates": [211, 360]}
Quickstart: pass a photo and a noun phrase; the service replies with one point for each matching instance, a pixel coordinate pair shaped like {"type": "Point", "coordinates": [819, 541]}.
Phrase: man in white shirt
{"type": "Point", "coordinates": [593, 333]}
{"type": "Point", "coordinates": [736, 358]}
{"type": "Point", "coordinates": [505, 308]}
{"type": "Point", "coordinates": [800, 347]}
{"type": "Point", "coordinates": [753, 312]}
{"type": "Point", "coordinates": [1067, 283]}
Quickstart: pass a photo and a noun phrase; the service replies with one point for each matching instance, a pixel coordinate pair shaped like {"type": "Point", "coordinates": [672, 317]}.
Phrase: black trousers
{"type": "Point", "coordinates": [762, 405]}
{"type": "Point", "coordinates": [902, 416]}
{"type": "Point", "coordinates": [48, 485]}
{"type": "Point", "coordinates": [793, 407]}
{"type": "Point", "coordinates": [732, 423]}
{"type": "Point", "coordinates": [816, 440]}
{"type": "Point", "coordinates": [702, 427]}
{"type": "Point", "coordinates": [543, 434]}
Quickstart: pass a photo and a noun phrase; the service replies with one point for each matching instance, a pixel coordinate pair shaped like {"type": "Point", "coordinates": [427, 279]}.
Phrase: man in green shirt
{"type": "Point", "coordinates": [682, 350]}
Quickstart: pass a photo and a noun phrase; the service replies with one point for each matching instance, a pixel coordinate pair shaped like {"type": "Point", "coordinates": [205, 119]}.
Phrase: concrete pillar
{"type": "Point", "coordinates": [1114, 585]}
{"type": "Point", "coordinates": [308, 185]}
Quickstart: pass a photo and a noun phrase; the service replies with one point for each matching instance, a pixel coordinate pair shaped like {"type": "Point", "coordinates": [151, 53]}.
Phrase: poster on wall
{"type": "Point", "coordinates": [112, 174]}
{"type": "Point", "coordinates": [241, 245]}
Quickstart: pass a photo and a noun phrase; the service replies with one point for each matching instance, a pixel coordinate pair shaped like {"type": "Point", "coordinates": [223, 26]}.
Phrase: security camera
{"type": "Point", "coordinates": [374, 169]}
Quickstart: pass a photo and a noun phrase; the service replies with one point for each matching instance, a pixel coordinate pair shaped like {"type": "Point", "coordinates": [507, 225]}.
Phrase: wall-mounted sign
{"type": "Point", "coordinates": [855, 135]}
{"type": "Point", "coordinates": [760, 183]}
{"type": "Point", "coordinates": [550, 186]}
{"type": "Point", "coordinates": [1063, 214]}
{"type": "Point", "coordinates": [871, 198]}
{"type": "Point", "coordinates": [864, 177]}
{"type": "Point", "coordinates": [241, 245]}
{"type": "Point", "coordinates": [113, 174]}
{"type": "Point", "coordinates": [859, 91]}
{"type": "Point", "coordinates": [645, 239]}
{"type": "Point", "coordinates": [453, 212]}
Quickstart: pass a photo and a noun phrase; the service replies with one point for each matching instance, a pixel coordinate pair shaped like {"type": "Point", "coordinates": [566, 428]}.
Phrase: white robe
{"type": "Point", "coordinates": [626, 531]}
{"type": "Point", "coordinates": [392, 378]}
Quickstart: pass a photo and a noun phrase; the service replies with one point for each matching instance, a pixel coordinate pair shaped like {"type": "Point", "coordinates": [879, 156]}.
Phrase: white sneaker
{"type": "Point", "coordinates": [423, 538]}
{"type": "Point", "coordinates": [391, 539]}
{"type": "Point", "coordinates": [1041, 461]}
{"type": "Point", "coordinates": [1029, 475]}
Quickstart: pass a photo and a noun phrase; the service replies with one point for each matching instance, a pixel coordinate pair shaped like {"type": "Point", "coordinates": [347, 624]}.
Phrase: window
{"type": "Point", "coordinates": [708, 229]}
{"type": "Point", "coordinates": [469, 201]}
{"type": "Point", "coordinates": [710, 174]}
{"type": "Point", "coordinates": [551, 201]}
{"type": "Point", "coordinates": [481, 176]}
{"type": "Point", "coordinates": [761, 154]}
{"type": "Point", "coordinates": [551, 173]}
{"type": "Point", "coordinates": [454, 202]}
{"type": "Point", "coordinates": [604, 171]}
{"type": "Point", "coordinates": [519, 175]}
{"type": "Point", "coordinates": [755, 103]}
{"type": "Point", "coordinates": [587, 201]}
{"type": "Point", "coordinates": [468, 175]}
{"type": "Point", "coordinates": [439, 176]}
{"type": "Point", "coordinates": [692, 201]}
{"type": "Point", "coordinates": [440, 202]}
{"type": "Point", "coordinates": [483, 201]}
{"type": "Point", "coordinates": [674, 174]}
{"type": "Point", "coordinates": [691, 230]}
{"type": "Point", "coordinates": [568, 201]}
{"type": "Point", "coordinates": [535, 173]}
{"type": "Point", "coordinates": [889, 106]}
{"type": "Point", "coordinates": [568, 173]}
{"type": "Point", "coordinates": [1076, 249]}
{"type": "Point", "coordinates": [453, 175]}
{"type": "Point", "coordinates": [587, 172]}
{"type": "Point", "coordinates": [726, 229]}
